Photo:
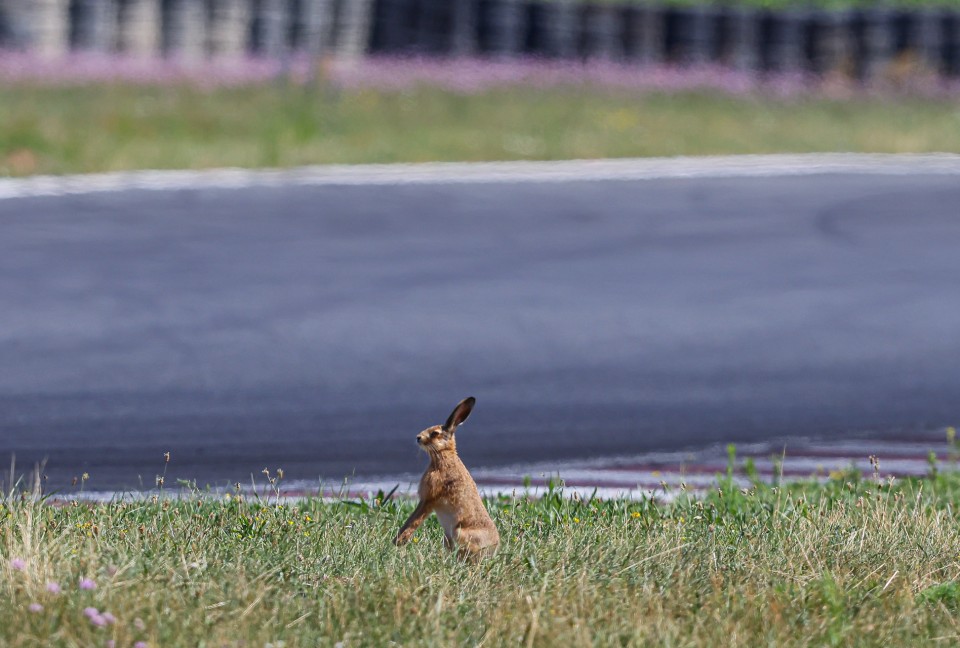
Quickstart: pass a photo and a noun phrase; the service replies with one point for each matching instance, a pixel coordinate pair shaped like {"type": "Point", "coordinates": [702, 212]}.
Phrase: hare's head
{"type": "Point", "coordinates": [439, 438]}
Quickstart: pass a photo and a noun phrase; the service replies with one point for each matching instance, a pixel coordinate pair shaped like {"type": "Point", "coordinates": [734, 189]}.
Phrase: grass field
{"type": "Point", "coordinates": [855, 561]}
{"type": "Point", "coordinates": [110, 127]}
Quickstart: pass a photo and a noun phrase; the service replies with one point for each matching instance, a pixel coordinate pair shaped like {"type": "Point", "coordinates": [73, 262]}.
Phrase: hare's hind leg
{"type": "Point", "coordinates": [475, 543]}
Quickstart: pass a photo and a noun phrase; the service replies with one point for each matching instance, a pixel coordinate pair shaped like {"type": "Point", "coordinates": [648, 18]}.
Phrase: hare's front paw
{"type": "Point", "coordinates": [402, 538]}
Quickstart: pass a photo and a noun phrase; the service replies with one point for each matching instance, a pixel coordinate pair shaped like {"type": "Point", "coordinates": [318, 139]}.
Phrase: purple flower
{"type": "Point", "coordinates": [109, 618]}
{"type": "Point", "coordinates": [35, 608]}
{"type": "Point", "coordinates": [140, 644]}
{"type": "Point", "coordinates": [87, 584]}
{"type": "Point", "coordinates": [463, 76]}
{"type": "Point", "coordinates": [95, 617]}
{"type": "Point", "coordinates": [111, 643]}
{"type": "Point", "coordinates": [53, 588]}
{"type": "Point", "coordinates": [17, 564]}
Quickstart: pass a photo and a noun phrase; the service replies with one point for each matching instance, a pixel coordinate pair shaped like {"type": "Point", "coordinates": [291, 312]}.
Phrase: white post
{"type": "Point", "coordinates": [230, 28]}
{"type": "Point", "coordinates": [838, 57]}
{"type": "Point", "coordinates": [563, 28]}
{"type": "Point", "coordinates": [701, 35]}
{"type": "Point", "coordinates": [20, 23]}
{"type": "Point", "coordinates": [188, 30]}
{"type": "Point", "coordinates": [464, 38]}
{"type": "Point", "coordinates": [317, 22]}
{"type": "Point", "coordinates": [787, 50]}
{"type": "Point", "coordinates": [51, 28]}
{"type": "Point", "coordinates": [273, 31]}
{"type": "Point", "coordinates": [602, 37]}
{"type": "Point", "coordinates": [878, 36]}
{"type": "Point", "coordinates": [745, 36]}
{"type": "Point", "coordinates": [508, 27]}
{"type": "Point", "coordinates": [353, 39]}
{"type": "Point", "coordinates": [140, 28]}
{"type": "Point", "coordinates": [653, 36]}
{"type": "Point", "coordinates": [926, 39]}
{"type": "Point", "coordinates": [96, 25]}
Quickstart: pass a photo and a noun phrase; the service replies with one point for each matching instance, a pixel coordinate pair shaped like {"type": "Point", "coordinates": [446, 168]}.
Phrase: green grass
{"type": "Point", "coordinates": [850, 562]}
{"type": "Point", "coordinates": [117, 127]}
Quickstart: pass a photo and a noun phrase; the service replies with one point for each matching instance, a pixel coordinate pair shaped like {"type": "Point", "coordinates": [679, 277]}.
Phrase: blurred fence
{"type": "Point", "coordinates": [187, 29]}
{"type": "Point", "coordinates": [857, 42]}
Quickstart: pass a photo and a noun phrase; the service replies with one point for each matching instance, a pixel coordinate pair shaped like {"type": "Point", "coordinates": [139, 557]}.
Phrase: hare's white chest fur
{"type": "Point", "coordinates": [448, 519]}
{"type": "Point", "coordinates": [435, 483]}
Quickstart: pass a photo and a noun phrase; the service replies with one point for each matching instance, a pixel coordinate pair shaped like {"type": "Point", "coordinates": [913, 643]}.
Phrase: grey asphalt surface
{"type": "Point", "coordinates": [318, 329]}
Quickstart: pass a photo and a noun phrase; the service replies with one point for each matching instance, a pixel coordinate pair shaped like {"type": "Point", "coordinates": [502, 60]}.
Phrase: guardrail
{"type": "Point", "coordinates": [860, 43]}
{"type": "Point", "coordinates": [187, 29]}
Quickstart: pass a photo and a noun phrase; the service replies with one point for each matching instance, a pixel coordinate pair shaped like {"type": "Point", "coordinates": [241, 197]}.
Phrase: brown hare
{"type": "Point", "coordinates": [448, 490]}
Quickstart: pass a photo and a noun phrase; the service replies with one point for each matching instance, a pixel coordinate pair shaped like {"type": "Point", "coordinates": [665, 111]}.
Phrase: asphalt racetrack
{"type": "Point", "coordinates": [318, 328]}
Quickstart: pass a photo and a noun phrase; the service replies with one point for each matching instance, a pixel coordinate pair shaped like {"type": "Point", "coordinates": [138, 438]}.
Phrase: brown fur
{"type": "Point", "coordinates": [448, 490]}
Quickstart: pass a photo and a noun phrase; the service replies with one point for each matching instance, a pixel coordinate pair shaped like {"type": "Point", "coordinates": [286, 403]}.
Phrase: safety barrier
{"type": "Point", "coordinates": [860, 43]}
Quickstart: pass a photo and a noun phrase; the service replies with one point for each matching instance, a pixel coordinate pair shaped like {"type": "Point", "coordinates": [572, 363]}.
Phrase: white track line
{"type": "Point", "coordinates": [739, 166]}
{"type": "Point", "coordinates": [614, 477]}
{"type": "Point", "coordinates": [663, 476]}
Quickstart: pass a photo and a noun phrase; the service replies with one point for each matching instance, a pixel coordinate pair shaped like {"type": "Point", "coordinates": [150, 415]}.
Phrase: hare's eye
{"type": "Point", "coordinates": [434, 433]}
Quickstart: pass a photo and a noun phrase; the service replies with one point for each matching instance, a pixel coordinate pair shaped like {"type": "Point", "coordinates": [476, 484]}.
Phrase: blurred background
{"type": "Point", "coordinates": [854, 37]}
{"type": "Point", "coordinates": [615, 320]}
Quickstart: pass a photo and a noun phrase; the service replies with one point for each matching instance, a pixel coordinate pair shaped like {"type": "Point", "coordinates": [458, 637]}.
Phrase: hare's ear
{"type": "Point", "coordinates": [459, 414]}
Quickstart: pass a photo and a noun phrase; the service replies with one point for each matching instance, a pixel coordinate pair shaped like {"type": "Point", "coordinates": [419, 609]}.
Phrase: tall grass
{"type": "Point", "coordinates": [850, 562]}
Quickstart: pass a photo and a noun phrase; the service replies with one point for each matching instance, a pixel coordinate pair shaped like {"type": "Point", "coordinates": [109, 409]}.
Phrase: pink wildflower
{"type": "Point", "coordinates": [87, 584]}
{"type": "Point", "coordinates": [111, 643]}
{"type": "Point", "coordinates": [140, 644]}
{"type": "Point", "coordinates": [109, 618]}
{"type": "Point", "coordinates": [35, 608]}
{"type": "Point", "coordinates": [53, 588]}
{"type": "Point", "coordinates": [91, 612]}
{"type": "Point", "coordinates": [17, 564]}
